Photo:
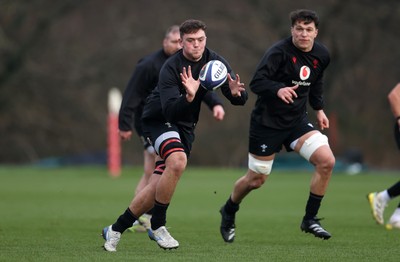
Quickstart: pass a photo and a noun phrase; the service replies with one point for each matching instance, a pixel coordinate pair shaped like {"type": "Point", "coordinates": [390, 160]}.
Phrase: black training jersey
{"type": "Point", "coordinates": [285, 65]}
{"type": "Point", "coordinates": [143, 80]}
{"type": "Point", "coordinates": [168, 101]}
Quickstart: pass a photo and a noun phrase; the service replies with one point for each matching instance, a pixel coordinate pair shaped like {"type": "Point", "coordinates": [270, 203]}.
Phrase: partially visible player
{"type": "Point", "coordinates": [379, 200]}
{"type": "Point", "coordinates": [142, 82]}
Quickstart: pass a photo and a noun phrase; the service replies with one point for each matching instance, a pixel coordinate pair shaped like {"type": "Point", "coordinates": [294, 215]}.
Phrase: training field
{"type": "Point", "coordinates": [57, 215]}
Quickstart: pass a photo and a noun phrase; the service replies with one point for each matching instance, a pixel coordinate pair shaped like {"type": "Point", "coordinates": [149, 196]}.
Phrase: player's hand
{"type": "Point", "coordinates": [125, 135]}
{"type": "Point", "coordinates": [218, 112]}
{"type": "Point", "coordinates": [288, 94]}
{"type": "Point", "coordinates": [398, 123]}
{"type": "Point", "coordinates": [235, 85]}
{"type": "Point", "coordinates": [322, 120]}
{"type": "Point", "coordinates": [191, 85]}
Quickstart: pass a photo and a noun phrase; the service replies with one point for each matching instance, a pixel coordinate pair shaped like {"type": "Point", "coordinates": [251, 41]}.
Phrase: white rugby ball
{"type": "Point", "coordinates": [213, 75]}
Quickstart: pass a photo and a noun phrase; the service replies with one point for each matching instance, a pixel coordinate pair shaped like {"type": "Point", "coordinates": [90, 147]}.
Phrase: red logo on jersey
{"type": "Point", "coordinates": [305, 72]}
{"type": "Point", "coordinates": [315, 63]}
{"type": "Point", "coordinates": [294, 59]}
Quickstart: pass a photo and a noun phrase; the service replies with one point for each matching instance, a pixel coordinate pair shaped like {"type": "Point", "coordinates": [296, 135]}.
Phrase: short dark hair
{"type": "Point", "coordinates": [304, 15]}
{"type": "Point", "coordinates": [191, 26]}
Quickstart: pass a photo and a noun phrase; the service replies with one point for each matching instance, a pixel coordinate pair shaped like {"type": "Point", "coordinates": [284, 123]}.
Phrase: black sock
{"type": "Point", "coordinates": [312, 207]}
{"type": "Point", "coordinates": [159, 217]}
{"type": "Point", "coordinates": [394, 190]}
{"type": "Point", "coordinates": [150, 212]}
{"type": "Point", "coordinates": [230, 207]}
{"type": "Point", "coordinates": [124, 221]}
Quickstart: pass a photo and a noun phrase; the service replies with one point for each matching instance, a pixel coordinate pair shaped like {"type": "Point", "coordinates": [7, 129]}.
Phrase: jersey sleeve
{"type": "Point", "coordinates": [135, 94]}
{"type": "Point", "coordinates": [226, 91]}
{"type": "Point", "coordinates": [315, 96]}
{"type": "Point", "coordinates": [211, 99]}
{"type": "Point", "coordinates": [173, 102]}
{"type": "Point", "coordinates": [237, 101]}
{"type": "Point", "coordinates": [262, 83]}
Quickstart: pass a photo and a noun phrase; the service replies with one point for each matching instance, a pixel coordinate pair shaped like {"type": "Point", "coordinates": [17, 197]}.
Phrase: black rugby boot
{"type": "Point", "coordinates": [227, 226]}
{"type": "Point", "coordinates": [313, 226]}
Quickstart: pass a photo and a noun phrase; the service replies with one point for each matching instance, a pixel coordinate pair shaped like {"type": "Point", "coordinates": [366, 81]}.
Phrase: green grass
{"type": "Point", "coordinates": [58, 214]}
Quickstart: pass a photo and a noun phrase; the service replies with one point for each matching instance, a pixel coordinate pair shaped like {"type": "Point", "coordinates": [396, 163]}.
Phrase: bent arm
{"type": "Point", "coordinates": [394, 101]}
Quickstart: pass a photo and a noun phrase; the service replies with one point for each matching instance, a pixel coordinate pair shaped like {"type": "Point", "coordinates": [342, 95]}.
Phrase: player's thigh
{"type": "Point", "coordinates": [303, 138]}
{"type": "Point", "coordinates": [166, 138]}
{"type": "Point", "coordinates": [314, 147]}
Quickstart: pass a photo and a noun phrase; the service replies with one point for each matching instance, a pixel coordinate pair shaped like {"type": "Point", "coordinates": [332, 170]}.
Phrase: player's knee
{"type": "Point", "coordinates": [260, 166]}
{"type": "Point", "coordinates": [176, 162]}
{"type": "Point", "coordinates": [311, 145]}
{"type": "Point", "coordinates": [257, 181]}
{"type": "Point", "coordinates": [328, 163]}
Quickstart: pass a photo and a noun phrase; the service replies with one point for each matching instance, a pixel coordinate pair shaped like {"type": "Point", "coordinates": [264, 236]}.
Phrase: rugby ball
{"type": "Point", "coordinates": [213, 75]}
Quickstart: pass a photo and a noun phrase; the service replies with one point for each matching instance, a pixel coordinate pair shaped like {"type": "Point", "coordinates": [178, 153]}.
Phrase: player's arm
{"type": "Point", "coordinates": [394, 101]}
{"type": "Point", "coordinates": [134, 95]}
{"type": "Point", "coordinates": [212, 99]}
{"type": "Point", "coordinates": [315, 96]}
{"type": "Point", "coordinates": [214, 103]}
{"type": "Point", "coordinates": [190, 84]}
{"type": "Point", "coordinates": [125, 135]}
{"type": "Point", "coordinates": [233, 89]}
{"type": "Point", "coordinates": [262, 83]}
{"type": "Point", "coordinates": [174, 103]}
{"type": "Point", "coordinates": [322, 119]}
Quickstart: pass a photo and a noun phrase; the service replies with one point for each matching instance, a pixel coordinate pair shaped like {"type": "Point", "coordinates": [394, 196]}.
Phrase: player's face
{"type": "Point", "coordinates": [303, 35]}
{"type": "Point", "coordinates": [193, 45]}
{"type": "Point", "coordinates": [171, 43]}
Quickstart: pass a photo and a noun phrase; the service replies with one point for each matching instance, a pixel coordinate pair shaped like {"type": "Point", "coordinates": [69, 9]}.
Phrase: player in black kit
{"type": "Point", "coordinates": [142, 82]}
{"type": "Point", "coordinates": [169, 119]}
{"type": "Point", "coordinates": [289, 75]}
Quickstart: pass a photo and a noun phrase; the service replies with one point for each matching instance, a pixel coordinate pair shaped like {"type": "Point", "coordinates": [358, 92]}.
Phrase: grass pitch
{"type": "Point", "coordinates": [58, 214]}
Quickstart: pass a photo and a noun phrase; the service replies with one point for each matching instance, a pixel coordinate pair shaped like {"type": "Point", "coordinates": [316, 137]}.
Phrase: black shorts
{"type": "Point", "coordinates": [265, 141]}
{"type": "Point", "coordinates": [139, 131]}
{"type": "Point", "coordinates": [153, 131]}
{"type": "Point", "coordinates": [397, 134]}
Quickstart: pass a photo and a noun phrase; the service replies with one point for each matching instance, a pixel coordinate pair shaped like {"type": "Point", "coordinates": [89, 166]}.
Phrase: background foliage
{"type": "Point", "coordinates": [58, 59]}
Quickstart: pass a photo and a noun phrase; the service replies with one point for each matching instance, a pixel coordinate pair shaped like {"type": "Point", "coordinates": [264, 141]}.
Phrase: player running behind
{"type": "Point", "coordinates": [289, 74]}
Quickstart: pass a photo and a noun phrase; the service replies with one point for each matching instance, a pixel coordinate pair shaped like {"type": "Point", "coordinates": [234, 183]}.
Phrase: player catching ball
{"type": "Point", "coordinates": [169, 119]}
